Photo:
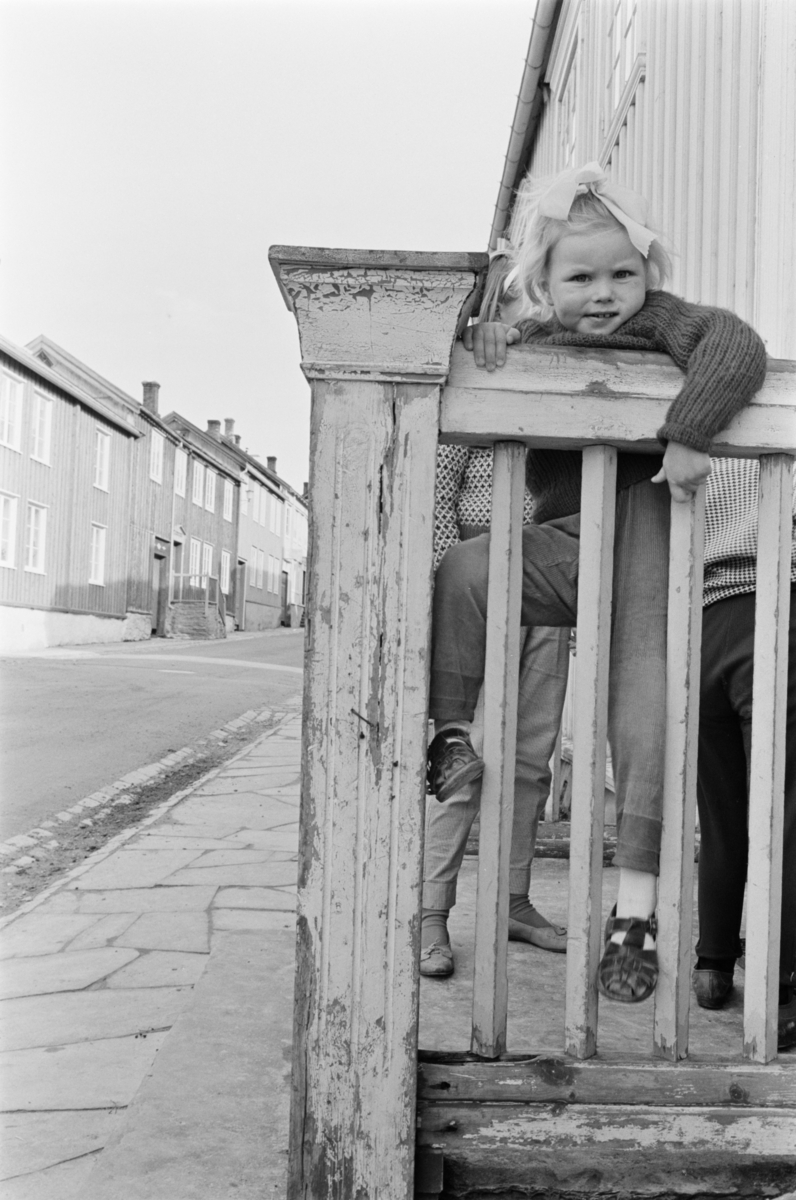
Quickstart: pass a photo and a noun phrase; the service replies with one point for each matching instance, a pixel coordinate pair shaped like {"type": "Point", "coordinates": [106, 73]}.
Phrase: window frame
{"type": "Point", "coordinates": [225, 571]}
{"type": "Point", "coordinates": [180, 472]}
{"type": "Point", "coordinates": [210, 489]}
{"type": "Point", "coordinates": [208, 552]}
{"type": "Point", "coordinates": [102, 461]}
{"type": "Point", "coordinates": [97, 577]}
{"type": "Point", "coordinates": [197, 493]}
{"type": "Point", "coordinates": [41, 403]}
{"type": "Point", "coordinates": [13, 520]}
{"type": "Point", "coordinates": [42, 509]}
{"type": "Point", "coordinates": [229, 494]}
{"type": "Point", "coordinates": [12, 391]}
{"type": "Point", "coordinates": [156, 455]}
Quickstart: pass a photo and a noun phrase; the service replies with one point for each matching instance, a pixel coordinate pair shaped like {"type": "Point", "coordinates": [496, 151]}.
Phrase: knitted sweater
{"type": "Point", "coordinates": [724, 363]}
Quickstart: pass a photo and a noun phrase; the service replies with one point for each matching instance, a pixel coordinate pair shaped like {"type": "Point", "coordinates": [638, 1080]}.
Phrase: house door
{"type": "Point", "coordinates": [285, 603]}
{"type": "Point", "coordinates": [240, 594]}
{"type": "Point", "coordinates": [159, 591]}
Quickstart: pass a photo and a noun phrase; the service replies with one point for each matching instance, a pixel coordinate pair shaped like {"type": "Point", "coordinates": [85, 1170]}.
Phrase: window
{"type": "Point", "coordinates": [225, 572]}
{"type": "Point", "coordinates": [8, 530]}
{"type": "Point", "coordinates": [42, 427]}
{"type": "Point", "coordinates": [227, 500]}
{"type": "Point", "coordinates": [35, 534]}
{"type": "Point", "coordinates": [11, 410]}
{"type": "Point", "coordinates": [260, 558]}
{"type": "Point", "coordinates": [287, 520]}
{"type": "Point", "coordinates": [195, 561]}
{"type": "Point", "coordinates": [244, 497]}
{"type": "Point", "coordinates": [156, 457]}
{"type": "Point", "coordinates": [210, 490]}
{"type": "Point", "coordinates": [102, 459]}
{"type": "Point", "coordinates": [273, 573]}
{"type": "Point", "coordinates": [275, 523]}
{"type": "Point", "coordinates": [97, 574]}
{"type": "Point", "coordinates": [207, 559]}
{"type": "Point", "coordinates": [198, 483]}
{"type": "Point", "coordinates": [180, 471]}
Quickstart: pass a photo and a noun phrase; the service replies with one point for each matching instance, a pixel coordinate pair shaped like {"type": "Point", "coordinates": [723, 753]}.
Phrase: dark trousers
{"type": "Point", "coordinates": [725, 739]}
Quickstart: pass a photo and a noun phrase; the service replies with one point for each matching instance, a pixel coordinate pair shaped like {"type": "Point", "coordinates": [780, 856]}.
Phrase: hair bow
{"type": "Point", "coordinates": [628, 207]}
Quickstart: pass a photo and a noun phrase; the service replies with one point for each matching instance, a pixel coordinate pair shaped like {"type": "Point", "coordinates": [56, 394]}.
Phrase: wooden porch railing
{"type": "Point", "coordinates": [377, 334]}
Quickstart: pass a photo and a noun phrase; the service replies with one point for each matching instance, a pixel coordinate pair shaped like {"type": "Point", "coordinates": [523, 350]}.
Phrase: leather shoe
{"type": "Point", "coordinates": [436, 961]}
{"type": "Point", "coordinates": [546, 937]}
{"type": "Point", "coordinates": [712, 988]}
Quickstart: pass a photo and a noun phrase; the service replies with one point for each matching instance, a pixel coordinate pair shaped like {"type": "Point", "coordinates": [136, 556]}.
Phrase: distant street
{"type": "Point", "coordinates": [76, 719]}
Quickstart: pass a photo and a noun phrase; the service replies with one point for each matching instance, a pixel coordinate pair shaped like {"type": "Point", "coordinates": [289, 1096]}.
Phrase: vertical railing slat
{"type": "Point", "coordinates": [676, 883]}
{"type": "Point", "coordinates": [767, 772]}
{"type": "Point", "coordinates": [490, 983]}
{"type": "Point", "coordinates": [595, 574]}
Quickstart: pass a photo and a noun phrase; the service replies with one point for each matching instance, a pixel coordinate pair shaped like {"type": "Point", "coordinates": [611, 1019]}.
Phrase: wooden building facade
{"type": "Point", "coordinates": [65, 464]}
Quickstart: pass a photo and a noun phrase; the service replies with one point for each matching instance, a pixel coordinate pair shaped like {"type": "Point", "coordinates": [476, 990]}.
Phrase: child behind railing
{"type": "Point", "coordinates": [592, 268]}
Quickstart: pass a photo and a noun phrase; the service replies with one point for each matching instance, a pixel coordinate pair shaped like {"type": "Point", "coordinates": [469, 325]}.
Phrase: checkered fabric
{"type": "Point", "coordinates": [731, 529]}
{"type": "Point", "coordinates": [464, 494]}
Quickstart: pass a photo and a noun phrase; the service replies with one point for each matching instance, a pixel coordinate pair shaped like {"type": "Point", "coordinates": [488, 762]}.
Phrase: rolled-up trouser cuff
{"type": "Point", "coordinates": [638, 843]}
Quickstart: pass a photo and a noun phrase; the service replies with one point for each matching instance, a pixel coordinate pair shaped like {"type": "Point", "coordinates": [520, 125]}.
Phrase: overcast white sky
{"type": "Point", "coordinates": [152, 150]}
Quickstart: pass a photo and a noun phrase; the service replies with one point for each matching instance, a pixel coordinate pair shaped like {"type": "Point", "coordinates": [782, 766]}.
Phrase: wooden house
{"type": "Point", "coordinates": [65, 474]}
{"type": "Point", "coordinates": [695, 106]}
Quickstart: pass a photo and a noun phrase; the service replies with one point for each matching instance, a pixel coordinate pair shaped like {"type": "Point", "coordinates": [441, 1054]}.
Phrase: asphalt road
{"type": "Point", "coordinates": [77, 718]}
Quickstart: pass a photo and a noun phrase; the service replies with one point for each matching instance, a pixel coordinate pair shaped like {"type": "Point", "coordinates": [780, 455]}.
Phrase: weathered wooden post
{"type": "Point", "coordinates": [376, 334]}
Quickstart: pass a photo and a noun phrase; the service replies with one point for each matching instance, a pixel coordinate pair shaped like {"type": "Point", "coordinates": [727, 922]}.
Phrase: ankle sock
{"type": "Point", "coordinates": [716, 964]}
{"type": "Point", "coordinates": [521, 909]}
{"type": "Point", "coordinates": [434, 927]}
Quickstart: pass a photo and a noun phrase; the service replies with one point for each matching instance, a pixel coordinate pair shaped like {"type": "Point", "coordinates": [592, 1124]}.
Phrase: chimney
{"type": "Point", "coordinates": [229, 427]}
{"type": "Point", "coordinates": [214, 429]}
{"type": "Point", "coordinates": [151, 397]}
{"type": "Point", "coordinates": [271, 464]}
{"type": "Point", "coordinates": [236, 438]}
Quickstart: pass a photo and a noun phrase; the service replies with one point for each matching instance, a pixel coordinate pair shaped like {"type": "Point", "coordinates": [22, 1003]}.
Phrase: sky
{"type": "Point", "coordinates": [152, 151]}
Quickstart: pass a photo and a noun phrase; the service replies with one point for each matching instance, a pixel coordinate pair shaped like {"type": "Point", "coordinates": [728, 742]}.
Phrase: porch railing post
{"type": "Point", "coordinates": [376, 333]}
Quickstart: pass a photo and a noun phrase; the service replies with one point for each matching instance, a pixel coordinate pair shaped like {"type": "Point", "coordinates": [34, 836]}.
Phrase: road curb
{"type": "Point", "coordinates": [120, 838]}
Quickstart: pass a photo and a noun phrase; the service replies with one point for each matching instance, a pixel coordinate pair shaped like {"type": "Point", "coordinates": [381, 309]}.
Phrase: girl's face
{"type": "Point", "coordinates": [595, 281]}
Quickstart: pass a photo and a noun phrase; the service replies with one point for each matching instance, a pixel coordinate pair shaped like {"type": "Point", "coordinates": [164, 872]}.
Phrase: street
{"type": "Point", "coordinates": [78, 718]}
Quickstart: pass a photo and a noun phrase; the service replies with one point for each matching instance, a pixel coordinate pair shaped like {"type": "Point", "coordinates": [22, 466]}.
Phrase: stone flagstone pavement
{"type": "Point", "coordinates": [96, 972]}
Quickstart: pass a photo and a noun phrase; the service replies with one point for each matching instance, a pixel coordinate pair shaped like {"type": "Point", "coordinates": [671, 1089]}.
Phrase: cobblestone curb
{"type": "Point", "coordinates": [40, 841]}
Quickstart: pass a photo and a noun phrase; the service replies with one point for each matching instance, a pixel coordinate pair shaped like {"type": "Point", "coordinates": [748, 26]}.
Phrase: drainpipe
{"type": "Point", "coordinates": [526, 114]}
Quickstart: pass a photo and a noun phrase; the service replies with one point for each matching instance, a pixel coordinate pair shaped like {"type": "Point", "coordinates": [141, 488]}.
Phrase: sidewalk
{"type": "Point", "coordinates": [146, 1001]}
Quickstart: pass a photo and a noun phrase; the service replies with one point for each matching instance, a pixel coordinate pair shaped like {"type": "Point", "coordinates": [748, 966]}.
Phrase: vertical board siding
{"type": "Point", "coordinates": [66, 488]}
{"type": "Point", "coordinates": [691, 141]}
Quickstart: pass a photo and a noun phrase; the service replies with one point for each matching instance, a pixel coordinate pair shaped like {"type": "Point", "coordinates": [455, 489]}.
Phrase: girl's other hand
{"type": "Point", "coordinates": [684, 470]}
{"type": "Point", "coordinates": [488, 341]}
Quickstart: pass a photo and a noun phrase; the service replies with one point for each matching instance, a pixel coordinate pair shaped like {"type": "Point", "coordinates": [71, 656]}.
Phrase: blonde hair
{"type": "Point", "coordinates": [533, 237]}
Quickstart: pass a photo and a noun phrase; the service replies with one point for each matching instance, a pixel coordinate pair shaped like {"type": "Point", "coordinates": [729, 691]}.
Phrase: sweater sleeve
{"type": "Point", "coordinates": [451, 464]}
{"type": "Point", "coordinates": [723, 359]}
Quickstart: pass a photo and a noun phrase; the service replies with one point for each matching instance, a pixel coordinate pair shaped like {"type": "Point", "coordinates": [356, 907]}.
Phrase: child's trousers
{"type": "Point", "coordinates": [725, 739]}
{"type": "Point", "coordinates": [637, 687]}
{"type": "Point", "coordinates": [544, 661]}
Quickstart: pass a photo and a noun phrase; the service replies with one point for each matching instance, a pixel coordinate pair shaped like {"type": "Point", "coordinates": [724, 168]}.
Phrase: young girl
{"type": "Point", "coordinates": [593, 269]}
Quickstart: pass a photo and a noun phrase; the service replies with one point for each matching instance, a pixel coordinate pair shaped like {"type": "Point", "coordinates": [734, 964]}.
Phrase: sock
{"type": "Point", "coordinates": [521, 909]}
{"type": "Point", "coordinates": [434, 927]}
{"type": "Point", "coordinates": [637, 897]}
{"type": "Point", "coordinates": [440, 726]}
{"type": "Point", "coordinates": [716, 964]}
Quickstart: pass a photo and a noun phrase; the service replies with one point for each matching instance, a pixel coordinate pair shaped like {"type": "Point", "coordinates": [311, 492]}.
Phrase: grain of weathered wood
{"type": "Point", "coordinates": [373, 453]}
{"type": "Point", "coordinates": [570, 398]}
{"type": "Point", "coordinates": [566, 1080]}
{"type": "Point", "coordinates": [490, 979]}
{"type": "Point", "coordinates": [588, 762]}
{"type": "Point", "coordinates": [675, 886]}
{"type": "Point", "coordinates": [767, 768]}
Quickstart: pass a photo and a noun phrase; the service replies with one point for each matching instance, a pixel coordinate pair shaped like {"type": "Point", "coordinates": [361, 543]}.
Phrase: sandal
{"type": "Point", "coordinates": [627, 972]}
